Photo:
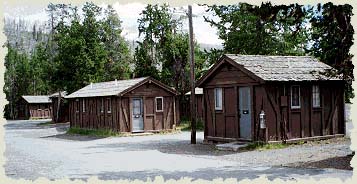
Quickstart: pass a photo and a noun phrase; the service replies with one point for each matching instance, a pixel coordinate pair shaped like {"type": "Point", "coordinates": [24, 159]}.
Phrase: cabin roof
{"type": "Point", "coordinates": [276, 68]}
{"type": "Point", "coordinates": [37, 99]}
{"type": "Point", "coordinates": [198, 91]}
{"type": "Point", "coordinates": [113, 88]}
{"type": "Point", "coordinates": [284, 68]}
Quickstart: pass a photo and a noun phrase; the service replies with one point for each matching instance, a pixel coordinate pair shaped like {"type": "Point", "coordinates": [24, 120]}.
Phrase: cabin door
{"type": "Point", "coordinates": [245, 125]}
{"type": "Point", "coordinates": [137, 115]}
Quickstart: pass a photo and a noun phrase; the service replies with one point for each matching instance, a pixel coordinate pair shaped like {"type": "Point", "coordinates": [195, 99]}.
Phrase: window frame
{"type": "Point", "coordinates": [83, 105]}
{"type": "Point", "coordinates": [221, 99]}
{"type": "Point", "coordinates": [291, 97]}
{"type": "Point", "coordinates": [77, 105]}
{"type": "Point", "coordinates": [316, 94]}
{"type": "Point", "coordinates": [102, 105]}
{"type": "Point", "coordinates": [162, 104]}
{"type": "Point", "coordinates": [109, 105]}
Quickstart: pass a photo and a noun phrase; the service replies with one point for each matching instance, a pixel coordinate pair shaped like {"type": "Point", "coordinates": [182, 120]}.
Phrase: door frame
{"type": "Point", "coordinates": [131, 110]}
{"type": "Point", "coordinates": [252, 112]}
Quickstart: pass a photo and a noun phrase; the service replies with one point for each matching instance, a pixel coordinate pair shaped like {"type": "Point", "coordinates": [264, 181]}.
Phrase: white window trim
{"type": "Point", "coordinates": [102, 105]}
{"type": "Point", "coordinates": [77, 106]}
{"type": "Point", "coordinates": [83, 106]}
{"type": "Point", "coordinates": [291, 98]}
{"type": "Point", "coordinates": [109, 105]}
{"type": "Point", "coordinates": [162, 104]}
{"type": "Point", "coordinates": [215, 100]}
{"type": "Point", "coordinates": [319, 96]}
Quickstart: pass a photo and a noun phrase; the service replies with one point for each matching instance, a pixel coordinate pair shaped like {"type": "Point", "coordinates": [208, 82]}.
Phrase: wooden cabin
{"type": "Point", "coordinates": [135, 105]}
{"type": "Point", "coordinates": [34, 107]}
{"type": "Point", "coordinates": [185, 108]}
{"type": "Point", "coordinates": [271, 98]}
{"type": "Point", "coordinates": [63, 114]}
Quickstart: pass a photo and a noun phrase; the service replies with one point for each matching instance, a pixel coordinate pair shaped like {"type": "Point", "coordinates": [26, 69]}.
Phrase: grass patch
{"type": "Point", "coordinates": [164, 132]}
{"type": "Point", "coordinates": [92, 132]}
{"type": "Point", "coordinates": [186, 126]}
{"type": "Point", "coordinates": [46, 123]}
{"type": "Point", "coordinates": [264, 146]}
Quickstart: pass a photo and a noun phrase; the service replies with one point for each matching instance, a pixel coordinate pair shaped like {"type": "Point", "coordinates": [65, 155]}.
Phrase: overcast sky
{"type": "Point", "coordinates": [128, 13]}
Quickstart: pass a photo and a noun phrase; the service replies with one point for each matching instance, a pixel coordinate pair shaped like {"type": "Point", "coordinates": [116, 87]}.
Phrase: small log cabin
{"type": "Point", "coordinates": [63, 114]}
{"type": "Point", "coordinates": [135, 105]}
{"type": "Point", "coordinates": [271, 98]}
{"type": "Point", "coordinates": [34, 107]}
{"type": "Point", "coordinates": [185, 107]}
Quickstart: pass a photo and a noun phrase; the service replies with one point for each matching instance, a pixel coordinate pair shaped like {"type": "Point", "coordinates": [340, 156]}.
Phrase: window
{"type": "Point", "coordinates": [109, 105]}
{"type": "Point", "coordinates": [137, 106]}
{"type": "Point", "coordinates": [159, 104]}
{"type": "Point", "coordinates": [84, 106]}
{"type": "Point", "coordinates": [218, 98]}
{"type": "Point", "coordinates": [102, 106]}
{"type": "Point", "coordinates": [295, 97]}
{"type": "Point", "coordinates": [315, 96]}
{"type": "Point", "coordinates": [77, 105]}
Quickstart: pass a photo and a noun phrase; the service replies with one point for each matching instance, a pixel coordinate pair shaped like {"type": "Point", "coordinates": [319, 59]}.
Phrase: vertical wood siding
{"type": "Point", "coordinates": [275, 99]}
{"type": "Point", "coordinates": [120, 117]}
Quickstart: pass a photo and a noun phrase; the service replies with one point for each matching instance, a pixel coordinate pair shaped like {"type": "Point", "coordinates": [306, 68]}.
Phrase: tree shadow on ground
{"type": "Point", "coordinates": [72, 137]}
{"type": "Point", "coordinates": [169, 146]}
{"type": "Point", "coordinates": [334, 162]}
{"type": "Point", "coordinates": [212, 173]}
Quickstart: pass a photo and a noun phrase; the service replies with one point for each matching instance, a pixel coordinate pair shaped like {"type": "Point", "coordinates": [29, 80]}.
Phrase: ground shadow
{"type": "Point", "coordinates": [213, 173]}
{"type": "Point", "coordinates": [334, 162]}
{"type": "Point", "coordinates": [71, 137]}
{"type": "Point", "coordinates": [169, 146]}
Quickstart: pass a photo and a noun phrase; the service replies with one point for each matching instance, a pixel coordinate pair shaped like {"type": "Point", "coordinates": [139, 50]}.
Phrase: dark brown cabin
{"type": "Point", "coordinates": [34, 107]}
{"type": "Point", "coordinates": [185, 110]}
{"type": "Point", "coordinates": [63, 114]}
{"type": "Point", "coordinates": [298, 99]}
{"type": "Point", "coordinates": [135, 105]}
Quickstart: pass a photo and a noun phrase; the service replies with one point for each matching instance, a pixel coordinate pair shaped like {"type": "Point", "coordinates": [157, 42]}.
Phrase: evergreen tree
{"type": "Point", "coordinates": [332, 35]}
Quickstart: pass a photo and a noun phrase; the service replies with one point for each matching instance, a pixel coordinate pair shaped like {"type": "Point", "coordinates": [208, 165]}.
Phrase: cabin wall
{"type": "Point", "coordinates": [154, 120]}
{"type": "Point", "coordinates": [224, 124]}
{"type": "Point", "coordinates": [42, 111]}
{"type": "Point", "coordinates": [119, 118]}
{"type": "Point", "coordinates": [97, 113]}
{"type": "Point", "coordinates": [306, 121]}
{"type": "Point", "coordinates": [282, 121]}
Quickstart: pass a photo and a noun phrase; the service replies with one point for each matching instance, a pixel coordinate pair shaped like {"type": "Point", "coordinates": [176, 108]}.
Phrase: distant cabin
{"type": "Point", "coordinates": [297, 97]}
{"type": "Point", "coordinates": [34, 107]}
{"type": "Point", "coordinates": [185, 107]}
{"type": "Point", "coordinates": [63, 114]}
{"type": "Point", "coordinates": [134, 105]}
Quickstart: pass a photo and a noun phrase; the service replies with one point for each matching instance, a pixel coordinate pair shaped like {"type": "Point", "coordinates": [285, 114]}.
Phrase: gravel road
{"type": "Point", "coordinates": [33, 151]}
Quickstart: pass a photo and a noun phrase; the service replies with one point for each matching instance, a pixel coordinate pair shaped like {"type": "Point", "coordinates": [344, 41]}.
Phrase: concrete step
{"type": "Point", "coordinates": [231, 146]}
{"type": "Point", "coordinates": [141, 133]}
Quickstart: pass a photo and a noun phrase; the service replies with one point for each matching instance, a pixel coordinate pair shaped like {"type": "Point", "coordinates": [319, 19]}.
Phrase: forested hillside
{"type": "Point", "coordinates": [77, 46]}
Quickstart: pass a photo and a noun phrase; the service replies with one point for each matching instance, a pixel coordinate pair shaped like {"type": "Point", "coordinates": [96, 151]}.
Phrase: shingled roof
{"type": "Point", "coordinates": [37, 99]}
{"type": "Point", "coordinates": [284, 68]}
{"type": "Point", "coordinates": [113, 88]}
{"type": "Point", "coordinates": [276, 68]}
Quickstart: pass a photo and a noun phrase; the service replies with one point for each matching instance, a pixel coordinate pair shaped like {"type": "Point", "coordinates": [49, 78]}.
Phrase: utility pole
{"type": "Point", "coordinates": [192, 76]}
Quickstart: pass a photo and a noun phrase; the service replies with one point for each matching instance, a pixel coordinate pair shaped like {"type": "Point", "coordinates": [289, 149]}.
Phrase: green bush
{"type": "Point", "coordinates": [264, 146]}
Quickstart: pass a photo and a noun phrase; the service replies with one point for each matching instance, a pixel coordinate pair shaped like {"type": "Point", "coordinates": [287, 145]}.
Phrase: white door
{"type": "Point", "coordinates": [137, 115]}
{"type": "Point", "coordinates": [245, 123]}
